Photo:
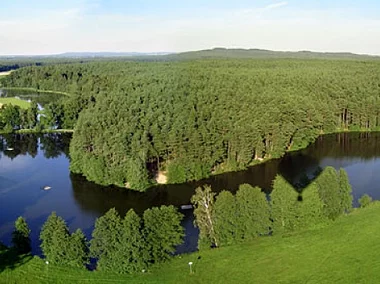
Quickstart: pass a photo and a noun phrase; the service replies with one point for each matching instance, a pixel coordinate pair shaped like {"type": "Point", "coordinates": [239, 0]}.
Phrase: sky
{"type": "Point", "coordinates": [34, 27]}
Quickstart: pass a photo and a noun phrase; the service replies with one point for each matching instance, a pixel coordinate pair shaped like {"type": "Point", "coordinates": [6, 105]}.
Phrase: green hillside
{"type": "Point", "coordinates": [15, 102]}
{"type": "Point", "coordinates": [344, 252]}
{"type": "Point", "coordinates": [265, 54]}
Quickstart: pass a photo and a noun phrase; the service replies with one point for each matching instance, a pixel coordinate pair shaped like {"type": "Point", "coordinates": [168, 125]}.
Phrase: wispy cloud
{"type": "Point", "coordinates": [276, 5]}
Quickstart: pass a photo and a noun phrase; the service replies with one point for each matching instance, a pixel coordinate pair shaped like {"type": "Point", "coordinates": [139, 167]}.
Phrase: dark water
{"type": "Point", "coordinates": [30, 162]}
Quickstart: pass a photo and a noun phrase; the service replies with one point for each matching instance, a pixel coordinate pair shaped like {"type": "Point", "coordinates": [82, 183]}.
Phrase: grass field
{"type": "Point", "coordinates": [14, 101]}
{"type": "Point", "coordinates": [5, 73]}
{"type": "Point", "coordinates": [346, 251]}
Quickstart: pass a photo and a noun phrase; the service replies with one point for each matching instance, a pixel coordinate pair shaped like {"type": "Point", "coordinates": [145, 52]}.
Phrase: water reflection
{"type": "Point", "coordinates": [29, 162]}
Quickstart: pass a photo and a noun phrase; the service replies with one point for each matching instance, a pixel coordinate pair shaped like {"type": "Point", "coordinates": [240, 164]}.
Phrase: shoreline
{"type": "Point", "coordinates": [264, 160]}
{"type": "Point", "coordinates": [163, 179]}
{"type": "Point", "coordinates": [34, 90]}
{"type": "Point", "coordinates": [33, 131]}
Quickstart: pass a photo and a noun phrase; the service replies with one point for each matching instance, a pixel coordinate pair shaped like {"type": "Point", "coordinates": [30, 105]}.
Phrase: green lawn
{"type": "Point", "coordinates": [347, 251]}
{"type": "Point", "coordinates": [14, 101]}
{"type": "Point", "coordinates": [5, 73]}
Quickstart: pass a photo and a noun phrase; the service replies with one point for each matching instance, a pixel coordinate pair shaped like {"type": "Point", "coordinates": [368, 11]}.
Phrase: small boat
{"type": "Point", "coordinates": [10, 149]}
{"type": "Point", "coordinates": [46, 187]}
{"type": "Point", "coordinates": [185, 207]}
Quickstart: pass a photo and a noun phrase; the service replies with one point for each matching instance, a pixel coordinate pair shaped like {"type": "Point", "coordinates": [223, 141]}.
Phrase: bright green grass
{"type": "Point", "coordinates": [15, 102]}
{"type": "Point", "coordinates": [347, 251]}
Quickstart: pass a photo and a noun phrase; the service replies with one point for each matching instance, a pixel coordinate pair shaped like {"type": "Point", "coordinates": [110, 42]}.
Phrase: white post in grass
{"type": "Point", "coordinates": [47, 269]}
{"type": "Point", "coordinates": [190, 264]}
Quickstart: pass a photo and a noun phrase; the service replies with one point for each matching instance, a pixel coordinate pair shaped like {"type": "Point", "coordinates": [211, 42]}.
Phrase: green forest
{"type": "Point", "coordinates": [190, 119]}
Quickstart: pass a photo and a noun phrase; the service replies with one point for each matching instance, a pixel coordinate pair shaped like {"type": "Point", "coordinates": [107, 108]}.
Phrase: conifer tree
{"type": "Point", "coordinates": [225, 215]}
{"type": "Point", "coordinates": [162, 231]}
{"type": "Point", "coordinates": [21, 236]}
{"type": "Point", "coordinates": [59, 247]}
{"type": "Point", "coordinates": [345, 191]}
{"type": "Point", "coordinates": [55, 239]}
{"type": "Point", "coordinates": [253, 212]}
{"type": "Point", "coordinates": [310, 208]}
{"type": "Point", "coordinates": [77, 251]}
{"type": "Point", "coordinates": [106, 238]}
{"type": "Point", "coordinates": [132, 251]}
{"type": "Point", "coordinates": [330, 193]}
{"type": "Point", "coordinates": [283, 200]}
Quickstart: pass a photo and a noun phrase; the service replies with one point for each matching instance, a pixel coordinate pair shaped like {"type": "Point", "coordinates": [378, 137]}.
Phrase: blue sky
{"type": "Point", "coordinates": [47, 27]}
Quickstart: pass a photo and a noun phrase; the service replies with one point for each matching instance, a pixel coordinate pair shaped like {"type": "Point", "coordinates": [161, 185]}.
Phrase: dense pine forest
{"type": "Point", "coordinates": [191, 119]}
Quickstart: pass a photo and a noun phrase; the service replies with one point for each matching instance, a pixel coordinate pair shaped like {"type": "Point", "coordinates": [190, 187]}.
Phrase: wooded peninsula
{"type": "Point", "coordinates": [189, 119]}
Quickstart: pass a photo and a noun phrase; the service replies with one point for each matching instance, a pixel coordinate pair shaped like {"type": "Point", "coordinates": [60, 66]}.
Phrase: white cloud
{"type": "Point", "coordinates": [276, 5]}
{"type": "Point", "coordinates": [267, 27]}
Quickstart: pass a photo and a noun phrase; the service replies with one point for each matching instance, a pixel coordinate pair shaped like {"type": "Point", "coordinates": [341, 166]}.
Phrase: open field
{"type": "Point", "coordinates": [346, 251]}
{"type": "Point", "coordinates": [14, 101]}
{"type": "Point", "coordinates": [5, 73]}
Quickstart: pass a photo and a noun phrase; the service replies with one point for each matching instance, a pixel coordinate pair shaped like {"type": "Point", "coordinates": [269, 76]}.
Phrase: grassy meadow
{"type": "Point", "coordinates": [14, 101]}
{"type": "Point", "coordinates": [5, 73]}
{"type": "Point", "coordinates": [346, 251]}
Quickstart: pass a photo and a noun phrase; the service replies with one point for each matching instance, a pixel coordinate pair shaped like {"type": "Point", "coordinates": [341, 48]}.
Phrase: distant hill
{"type": "Point", "coordinates": [107, 54]}
{"type": "Point", "coordinates": [262, 53]}
{"type": "Point", "coordinates": [17, 61]}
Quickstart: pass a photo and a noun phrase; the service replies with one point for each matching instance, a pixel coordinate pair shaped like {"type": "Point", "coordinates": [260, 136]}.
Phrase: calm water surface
{"type": "Point", "coordinates": [30, 162]}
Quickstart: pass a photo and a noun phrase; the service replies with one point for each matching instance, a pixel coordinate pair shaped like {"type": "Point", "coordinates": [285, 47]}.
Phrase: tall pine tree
{"type": "Point", "coordinates": [59, 247]}
{"type": "Point", "coordinates": [283, 201]}
{"type": "Point", "coordinates": [345, 191]}
{"type": "Point", "coordinates": [105, 242]}
{"type": "Point", "coordinates": [132, 249]}
{"type": "Point", "coordinates": [309, 210]}
{"type": "Point", "coordinates": [330, 193]}
{"type": "Point", "coordinates": [225, 216]}
{"type": "Point", "coordinates": [253, 212]}
{"type": "Point", "coordinates": [77, 251]}
{"type": "Point", "coordinates": [21, 236]}
{"type": "Point", "coordinates": [162, 231]}
{"type": "Point", "coordinates": [54, 239]}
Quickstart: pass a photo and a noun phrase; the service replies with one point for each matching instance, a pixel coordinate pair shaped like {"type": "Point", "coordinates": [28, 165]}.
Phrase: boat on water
{"type": "Point", "coordinates": [9, 149]}
{"type": "Point", "coordinates": [46, 187]}
{"type": "Point", "coordinates": [186, 207]}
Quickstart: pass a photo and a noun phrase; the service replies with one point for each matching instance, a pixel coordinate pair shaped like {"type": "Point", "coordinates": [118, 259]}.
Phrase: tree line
{"type": "Point", "coordinates": [226, 219]}
{"type": "Point", "coordinates": [121, 245]}
{"type": "Point", "coordinates": [52, 145]}
{"type": "Point", "coordinates": [192, 119]}
{"type": "Point", "coordinates": [131, 244]}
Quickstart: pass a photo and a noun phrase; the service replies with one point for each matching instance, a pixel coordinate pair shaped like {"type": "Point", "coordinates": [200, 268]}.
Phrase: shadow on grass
{"type": "Point", "coordinates": [9, 259]}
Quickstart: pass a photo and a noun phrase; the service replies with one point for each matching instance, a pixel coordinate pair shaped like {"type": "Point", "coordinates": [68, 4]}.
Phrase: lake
{"type": "Point", "coordinates": [30, 162]}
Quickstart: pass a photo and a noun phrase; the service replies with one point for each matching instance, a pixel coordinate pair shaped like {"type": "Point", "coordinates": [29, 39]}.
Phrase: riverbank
{"type": "Point", "coordinates": [294, 149]}
{"type": "Point", "coordinates": [346, 251]}
{"type": "Point", "coordinates": [34, 131]}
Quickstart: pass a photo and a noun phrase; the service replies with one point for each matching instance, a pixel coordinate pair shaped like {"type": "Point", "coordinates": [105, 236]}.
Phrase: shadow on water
{"type": "Point", "coordinates": [29, 161]}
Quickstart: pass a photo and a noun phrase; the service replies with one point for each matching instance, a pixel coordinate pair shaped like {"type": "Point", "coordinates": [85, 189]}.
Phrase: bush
{"type": "Point", "coordinates": [365, 200]}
